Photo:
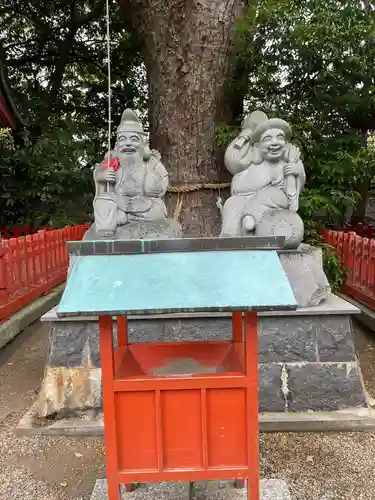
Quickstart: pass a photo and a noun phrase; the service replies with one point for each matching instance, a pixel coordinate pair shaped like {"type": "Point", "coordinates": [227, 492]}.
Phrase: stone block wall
{"type": "Point", "coordinates": [307, 362]}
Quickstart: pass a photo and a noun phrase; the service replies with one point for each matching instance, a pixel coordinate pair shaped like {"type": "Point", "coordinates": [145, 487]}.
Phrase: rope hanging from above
{"type": "Point", "coordinates": [109, 81]}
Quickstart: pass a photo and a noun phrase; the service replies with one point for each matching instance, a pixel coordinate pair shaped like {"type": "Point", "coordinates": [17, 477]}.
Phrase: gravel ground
{"type": "Point", "coordinates": [38, 468]}
{"type": "Point", "coordinates": [325, 466]}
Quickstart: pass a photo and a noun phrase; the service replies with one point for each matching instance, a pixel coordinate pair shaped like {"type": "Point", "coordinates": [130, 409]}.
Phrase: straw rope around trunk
{"type": "Point", "coordinates": [183, 189]}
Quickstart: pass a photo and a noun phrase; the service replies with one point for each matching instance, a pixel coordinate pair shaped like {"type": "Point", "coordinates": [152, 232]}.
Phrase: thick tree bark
{"type": "Point", "coordinates": [187, 49]}
{"type": "Point", "coordinates": [359, 214]}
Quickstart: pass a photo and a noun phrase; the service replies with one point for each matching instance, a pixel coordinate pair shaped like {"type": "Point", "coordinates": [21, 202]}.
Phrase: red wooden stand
{"type": "Point", "coordinates": [163, 425]}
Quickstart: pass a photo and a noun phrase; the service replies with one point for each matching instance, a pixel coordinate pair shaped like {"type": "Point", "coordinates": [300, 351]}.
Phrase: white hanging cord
{"type": "Point", "coordinates": [219, 202]}
{"type": "Point", "coordinates": [109, 82]}
{"type": "Point", "coordinates": [109, 87]}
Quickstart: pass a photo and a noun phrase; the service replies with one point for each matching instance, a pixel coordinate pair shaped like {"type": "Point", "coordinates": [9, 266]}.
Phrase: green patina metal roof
{"type": "Point", "coordinates": [191, 281]}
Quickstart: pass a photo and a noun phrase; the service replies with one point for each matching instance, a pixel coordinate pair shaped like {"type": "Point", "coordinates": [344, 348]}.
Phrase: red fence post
{"type": "Point", "coordinates": [345, 249]}
{"type": "Point", "coordinates": [43, 256]}
{"type": "Point", "coordinates": [340, 243]}
{"type": "Point", "coordinates": [4, 292]}
{"type": "Point", "coordinates": [364, 263]}
{"type": "Point", "coordinates": [371, 268]}
{"type": "Point", "coordinates": [357, 261]}
{"type": "Point", "coordinates": [350, 260]}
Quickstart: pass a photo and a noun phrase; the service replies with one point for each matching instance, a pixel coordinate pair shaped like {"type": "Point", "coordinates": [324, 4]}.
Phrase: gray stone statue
{"type": "Point", "coordinates": [130, 186]}
{"type": "Point", "coordinates": [268, 178]}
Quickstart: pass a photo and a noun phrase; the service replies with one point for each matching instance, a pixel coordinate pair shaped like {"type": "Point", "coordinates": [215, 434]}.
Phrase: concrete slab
{"type": "Point", "coordinates": [366, 315]}
{"type": "Point", "coordinates": [27, 315]}
{"type": "Point", "coordinates": [332, 305]}
{"type": "Point", "coordinates": [270, 489]}
{"type": "Point", "coordinates": [86, 424]}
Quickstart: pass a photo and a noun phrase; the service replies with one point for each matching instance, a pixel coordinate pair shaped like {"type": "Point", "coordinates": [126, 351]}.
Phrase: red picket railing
{"type": "Point", "coordinates": [30, 266]}
{"type": "Point", "coordinates": [358, 256]}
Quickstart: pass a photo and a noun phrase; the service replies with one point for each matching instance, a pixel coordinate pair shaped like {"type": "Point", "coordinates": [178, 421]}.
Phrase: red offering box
{"type": "Point", "coordinates": [181, 411]}
{"type": "Point", "coordinates": [181, 407]}
{"type": "Point", "coordinates": [151, 360]}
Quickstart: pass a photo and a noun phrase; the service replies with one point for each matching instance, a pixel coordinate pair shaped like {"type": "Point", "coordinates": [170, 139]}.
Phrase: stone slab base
{"type": "Point", "coordinates": [10, 328]}
{"type": "Point", "coordinates": [91, 425]}
{"type": "Point", "coordinates": [367, 315]}
{"type": "Point", "coordinates": [162, 229]}
{"type": "Point", "coordinates": [270, 489]}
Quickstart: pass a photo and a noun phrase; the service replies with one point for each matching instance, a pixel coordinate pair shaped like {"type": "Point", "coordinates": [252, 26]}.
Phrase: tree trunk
{"type": "Point", "coordinates": [187, 50]}
{"type": "Point", "coordinates": [359, 214]}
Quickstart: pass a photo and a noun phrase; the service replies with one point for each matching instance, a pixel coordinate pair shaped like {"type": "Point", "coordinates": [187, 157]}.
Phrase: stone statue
{"type": "Point", "coordinates": [130, 186]}
{"type": "Point", "coordinates": [268, 178]}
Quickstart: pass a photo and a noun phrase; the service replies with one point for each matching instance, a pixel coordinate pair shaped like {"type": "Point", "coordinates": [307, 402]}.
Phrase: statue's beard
{"type": "Point", "coordinates": [131, 160]}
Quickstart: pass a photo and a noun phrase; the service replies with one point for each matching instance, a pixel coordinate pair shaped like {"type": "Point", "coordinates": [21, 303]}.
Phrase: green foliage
{"type": "Point", "coordinates": [47, 181]}
{"type": "Point", "coordinates": [317, 211]}
{"type": "Point", "coordinates": [333, 267]}
{"type": "Point", "coordinates": [226, 133]}
{"type": "Point", "coordinates": [54, 58]}
{"type": "Point", "coordinates": [312, 64]}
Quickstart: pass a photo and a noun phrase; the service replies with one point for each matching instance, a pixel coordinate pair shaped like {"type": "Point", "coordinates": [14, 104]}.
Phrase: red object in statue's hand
{"type": "Point", "coordinates": [114, 163]}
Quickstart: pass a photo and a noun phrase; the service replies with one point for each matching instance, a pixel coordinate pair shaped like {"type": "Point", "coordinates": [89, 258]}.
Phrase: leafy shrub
{"type": "Point", "coordinates": [333, 267]}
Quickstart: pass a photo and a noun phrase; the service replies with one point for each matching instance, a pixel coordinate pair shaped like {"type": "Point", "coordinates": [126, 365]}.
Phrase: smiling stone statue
{"type": "Point", "coordinates": [130, 186]}
{"type": "Point", "coordinates": [268, 178]}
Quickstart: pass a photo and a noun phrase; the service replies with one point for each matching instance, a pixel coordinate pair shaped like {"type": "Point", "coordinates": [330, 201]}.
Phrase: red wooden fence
{"type": "Point", "coordinates": [358, 256]}
{"type": "Point", "coordinates": [30, 266]}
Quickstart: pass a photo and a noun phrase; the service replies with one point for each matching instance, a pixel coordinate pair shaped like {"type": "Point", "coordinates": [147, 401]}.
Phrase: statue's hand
{"type": "Point", "coordinates": [109, 175]}
{"type": "Point", "coordinates": [292, 169]}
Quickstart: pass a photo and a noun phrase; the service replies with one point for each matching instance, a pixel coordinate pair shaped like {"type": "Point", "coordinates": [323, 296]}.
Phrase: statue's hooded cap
{"type": "Point", "coordinates": [130, 123]}
{"type": "Point", "coordinates": [268, 125]}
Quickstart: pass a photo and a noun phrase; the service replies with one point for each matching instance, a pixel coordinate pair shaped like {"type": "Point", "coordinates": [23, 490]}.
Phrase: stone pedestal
{"type": "Point", "coordinates": [307, 357]}
{"type": "Point", "coordinates": [167, 228]}
{"type": "Point", "coordinates": [304, 268]}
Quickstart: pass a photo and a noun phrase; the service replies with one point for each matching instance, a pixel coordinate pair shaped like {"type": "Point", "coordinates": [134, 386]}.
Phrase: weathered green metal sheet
{"type": "Point", "coordinates": [235, 280]}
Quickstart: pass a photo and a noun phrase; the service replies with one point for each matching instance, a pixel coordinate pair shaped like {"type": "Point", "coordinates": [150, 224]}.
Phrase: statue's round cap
{"type": "Point", "coordinates": [130, 122]}
{"type": "Point", "coordinates": [272, 123]}
{"type": "Point", "coordinates": [252, 121]}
